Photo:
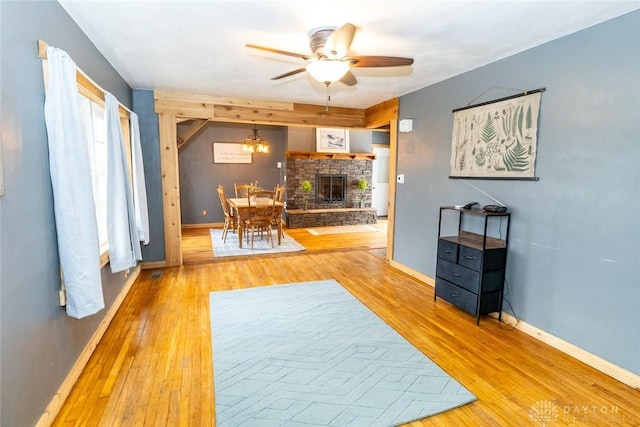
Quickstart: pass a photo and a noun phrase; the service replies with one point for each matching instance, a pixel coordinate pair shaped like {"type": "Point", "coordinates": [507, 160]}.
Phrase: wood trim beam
{"type": "Point", "coordinates": [170, 189]}
{"type": "Point", "coordinates": [241, 110]}
{"type": "Point", "coordinates": [187, 135]}
{"type": "Point", "coordinates": [182, 98]}
{"type": "Point", "coordinates": [287, 118]}
{"type": "Point", "coordinates": [391, 207]}
{"type": "Point", "coordinates": [382, 114]}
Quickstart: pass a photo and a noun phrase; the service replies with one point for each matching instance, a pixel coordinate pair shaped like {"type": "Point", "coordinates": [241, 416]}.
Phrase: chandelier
{"type": "Point", "coordinates": [255, 144]}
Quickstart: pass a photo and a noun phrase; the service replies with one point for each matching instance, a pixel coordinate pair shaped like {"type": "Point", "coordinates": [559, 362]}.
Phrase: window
{"type": "Point", "coordinates": [93, 115]}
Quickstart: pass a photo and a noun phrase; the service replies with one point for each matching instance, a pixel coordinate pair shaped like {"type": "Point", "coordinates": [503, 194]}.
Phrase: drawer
{"type": "Point", "coordinates": [468, 301]}
{"type": "Point", "coordinates": [447, 250]}
{"type": "Point", "coordinates": [470, 257]}
{"type": "Point", "coordinates": [459, 275]}
{"type": "Point", "coordinates": [487, 260]}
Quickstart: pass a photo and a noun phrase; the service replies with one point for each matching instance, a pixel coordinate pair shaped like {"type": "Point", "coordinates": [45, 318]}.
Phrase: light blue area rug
{"type": "Point", "coordinates": [310, 354]}
{"type": "Point", "coordinates": [260, 246]}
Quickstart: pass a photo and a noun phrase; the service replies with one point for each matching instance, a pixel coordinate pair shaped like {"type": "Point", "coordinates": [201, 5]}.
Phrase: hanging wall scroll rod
{"type": "Point", "coordinates": [522, 92]}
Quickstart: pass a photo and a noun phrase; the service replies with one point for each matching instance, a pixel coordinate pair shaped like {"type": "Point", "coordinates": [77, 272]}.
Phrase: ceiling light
{"type": "Point", "coordinates": [328, 71]}
{"type": "Point", "coordinates": [255, 144]}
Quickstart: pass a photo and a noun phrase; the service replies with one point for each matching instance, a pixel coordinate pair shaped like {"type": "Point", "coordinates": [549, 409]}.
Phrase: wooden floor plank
{"type": "Point", "coordinates": [153, 365]}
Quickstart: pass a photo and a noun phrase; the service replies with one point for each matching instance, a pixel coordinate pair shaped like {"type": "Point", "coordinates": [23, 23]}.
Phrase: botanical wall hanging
{"type": "Point", "coordinates": [496, 139]}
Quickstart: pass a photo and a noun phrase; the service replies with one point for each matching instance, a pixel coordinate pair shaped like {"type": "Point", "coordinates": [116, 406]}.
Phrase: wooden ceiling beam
{"type": "Point", "coordinates": [191, 98]}
{"type": "Point", "coordinates": [287, 118]}
{"type": "Point", "coordinates": [187, 135]}
{"type": "Point", "coordinates": [382, 113]}
{"type": "Point", "coordinates": [242, 110]}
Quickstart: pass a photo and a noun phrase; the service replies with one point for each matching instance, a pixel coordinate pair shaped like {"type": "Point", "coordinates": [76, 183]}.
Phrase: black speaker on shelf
{"type": "Point", "coordinates": [495, 208]}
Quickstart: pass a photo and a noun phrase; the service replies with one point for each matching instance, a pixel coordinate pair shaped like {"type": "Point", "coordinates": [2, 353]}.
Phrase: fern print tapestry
{"type": "Point", "coordinates": [496, 139]}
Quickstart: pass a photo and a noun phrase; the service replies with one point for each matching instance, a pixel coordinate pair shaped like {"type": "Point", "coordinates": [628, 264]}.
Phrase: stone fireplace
{"type": "Point", "coordinates": [309, 166]}
{"type": "Point", "coordinates": [335, 197]}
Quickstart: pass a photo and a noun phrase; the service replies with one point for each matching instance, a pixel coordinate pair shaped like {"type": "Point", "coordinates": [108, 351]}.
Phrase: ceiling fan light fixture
{"type": "Point", "coordinates": [328, 71]}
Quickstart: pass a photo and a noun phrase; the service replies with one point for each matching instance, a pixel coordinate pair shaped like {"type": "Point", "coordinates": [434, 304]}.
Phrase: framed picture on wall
{"type": "Point", "coordinates": [229, 152]}
{"type": "Point", "coordinates": [332, 140]}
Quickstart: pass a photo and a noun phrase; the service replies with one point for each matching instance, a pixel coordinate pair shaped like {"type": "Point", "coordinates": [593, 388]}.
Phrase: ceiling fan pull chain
{"type": "Point", "coordinates": [328, 98]}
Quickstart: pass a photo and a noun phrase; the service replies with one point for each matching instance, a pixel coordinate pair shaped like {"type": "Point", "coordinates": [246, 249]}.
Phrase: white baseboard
{"type": "Point", "coordinates": [204, 225]}
{"type": "Point", "coordinates": [153, 264]}
{"type": "Point", "coordinates": [411, 272]}
{"type": "Point", "coordinates": [65, 388]}
{"type": "Point", "coordinates": [623, 375]}
{"type": "Point", "coordinates": [596, 362]}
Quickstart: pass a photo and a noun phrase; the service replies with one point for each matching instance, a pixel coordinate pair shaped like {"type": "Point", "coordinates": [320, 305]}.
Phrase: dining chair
{"type": "Point", "coordinates": [230, 220]}
{"type": "Point", "coordinates": [242, 190]}
{"type": "Point", "coordinates": [262, 209]}
{"type": "Point", "coordinates": [277, 219]}
{"type": "Point", "coordinates": [279, 192]}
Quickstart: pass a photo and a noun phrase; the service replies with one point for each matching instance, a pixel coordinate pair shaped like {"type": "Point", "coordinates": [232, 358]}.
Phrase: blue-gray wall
{"type": "Point", "coordinates": [304, 139]}
{"type": "Point", "coordinates": [143, 105]}
{"type": "Point", "coordinates": [38, 342]}
{"type": "Point", "coordinates": [574, 255]}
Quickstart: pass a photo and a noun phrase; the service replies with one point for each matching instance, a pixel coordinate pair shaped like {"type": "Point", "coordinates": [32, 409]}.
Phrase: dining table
{"type": "Point", "coordinates": [241, 207]}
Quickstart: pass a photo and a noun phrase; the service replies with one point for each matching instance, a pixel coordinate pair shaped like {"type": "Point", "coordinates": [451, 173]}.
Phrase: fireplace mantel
{"type": "Point", "coordinates": [329, 156]}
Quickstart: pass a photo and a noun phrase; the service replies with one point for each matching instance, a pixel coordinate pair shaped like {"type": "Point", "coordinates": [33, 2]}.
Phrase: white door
{"type": "Point", "coordinates": [380, 185]}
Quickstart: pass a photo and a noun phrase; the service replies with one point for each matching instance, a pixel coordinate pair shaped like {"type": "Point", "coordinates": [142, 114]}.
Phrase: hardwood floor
{"type": "Point", "coordinates": [154, 363]}
{"type": "Point", "coordinates": [196, 242]}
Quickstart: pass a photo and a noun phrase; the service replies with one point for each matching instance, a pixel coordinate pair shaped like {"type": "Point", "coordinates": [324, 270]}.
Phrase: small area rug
{"type": "Point", "coordinates": [260, 246]}
{"type": "Point", "coordinates": [341, 229]}
{"type": "Point", "coordinates": [310, 354]}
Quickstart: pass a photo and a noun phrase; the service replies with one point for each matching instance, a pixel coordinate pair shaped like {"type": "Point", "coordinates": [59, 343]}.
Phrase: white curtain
{"type": "Point", "coordinates": [124, 246]}
{"type": "Point", "coordinates": [139, 188]}
{"type": "Point", "coordinates": [75, 217]}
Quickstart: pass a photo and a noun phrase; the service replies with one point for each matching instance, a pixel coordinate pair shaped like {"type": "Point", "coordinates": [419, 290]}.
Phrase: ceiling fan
{"type": "Point", "coordinates": [330, 60]}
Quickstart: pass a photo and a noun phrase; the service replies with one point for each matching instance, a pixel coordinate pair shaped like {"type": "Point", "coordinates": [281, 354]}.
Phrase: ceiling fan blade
{"type": "Point", "coordinates": [349, 79]}
{"type": "Point", "coordinates": [338, 44]}
{"type": "Point", "coordinates": [380, 61]}
{"type": "Point", "coordinates": [290, 73]}
{"type": "Point", "coordinates": [281, 52]}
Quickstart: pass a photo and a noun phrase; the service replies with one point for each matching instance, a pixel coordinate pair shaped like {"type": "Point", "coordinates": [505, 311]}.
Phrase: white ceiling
{"type": "Point", "coordinates": [199, 46]}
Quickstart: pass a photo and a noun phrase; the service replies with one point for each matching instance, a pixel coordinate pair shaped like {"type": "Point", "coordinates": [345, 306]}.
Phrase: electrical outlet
{"type": "Point", "coordinates": [400, 178]}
